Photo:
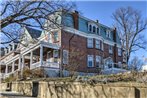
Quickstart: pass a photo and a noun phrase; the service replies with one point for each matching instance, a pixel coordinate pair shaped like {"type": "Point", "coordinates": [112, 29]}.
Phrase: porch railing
{"type": "Point", "coordinates": [46, 64]}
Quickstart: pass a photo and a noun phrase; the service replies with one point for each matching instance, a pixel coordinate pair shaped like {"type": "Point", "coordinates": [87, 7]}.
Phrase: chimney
{"type": "Point", "coordinates": [75, 15]}
{"type": "Point", "coordinates": [97, 21]}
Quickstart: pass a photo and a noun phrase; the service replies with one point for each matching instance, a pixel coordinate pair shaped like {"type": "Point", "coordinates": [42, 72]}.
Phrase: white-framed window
{"type": "Point", "coordinates": [97, 44]}
{"type": "Point", "coordinates": [98, 30]}
{"type": "Point", "coordinates": [119, 64]}
{"type": "Point", "coordinates": [65, 57]}
{"type": "Point", "coordinates": [90, 61]}
{"type": "Point", "coordinates": [55, 53]}
{"type": "Point", "coordinates": [56, 37]}
{"type": "Point", "coordinates": [90, 42]}
{"type": "Point", "coordinates": [108, 33]}
{"type": "Point", "coordinates": [119, 52]}
{"type": "Point", "coordinates": [90, 28]}
{"type": "Point", "coordinates": [102, 45]}
{"type": "Point", "coordinates": [110, 49]}
{"type": "Point", "coordinates": [94, 29]}
{"type": "Point", "coordinates": [98, 61]}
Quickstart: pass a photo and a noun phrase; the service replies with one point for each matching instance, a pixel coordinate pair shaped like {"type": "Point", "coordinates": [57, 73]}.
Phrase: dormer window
{"type": "Point", "coordinates": [98, 31]}
{"type": "Point", "coordinates": [108, 33]}
{"type": "Point", "coordinates": [90, 28]}
{"type": "Point", "coordinates": [94, 29]}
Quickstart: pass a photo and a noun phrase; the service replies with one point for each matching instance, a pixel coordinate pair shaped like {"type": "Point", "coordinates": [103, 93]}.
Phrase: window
{"type": "Point", "coordinates": [110, 49]}
{"type": "Point", "coordinates": [102, 46]}
{"type": "Point", "coordinates": [98, 31]}
{"type": "Point", "coordinates": [94, 29]}
{"type": "Point", "coordinates": [90, 61]}
{"type": "Point", "coordinates": [108, 34]}
{"type": "Point", "coordinates": [65, 57]}
{"type": "Point", "coordinates": [55, 53]}
{"type": "Point", "coordinates": [97, 44]}
{"type": "Point", "coordinates": [55, 36]}
{"type": "Point", "coordinates": [119, 51]}
{"type": "Point", "coordinates": [90, 42]}
{"type": "Point", "coordinates": [90, 28]}
{"type": "Point", "coordinates": [98, 61]}
{"type": "Point", "coordinates": [119, 64]}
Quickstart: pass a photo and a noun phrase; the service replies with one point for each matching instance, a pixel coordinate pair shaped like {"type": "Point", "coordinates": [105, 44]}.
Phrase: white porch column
{"type": "Point", "coordinates": [41, 55]}
{"type": "Point", "coordinates": [19, 63]}
{"type": "Point", "coordinates": [22, 65]}
{"type": "Point", "coordinates": [6, 70]}
{"type": "Point", "coordinates": [13, 66]}
{"type": "Point", "coordinates": [31, 58]}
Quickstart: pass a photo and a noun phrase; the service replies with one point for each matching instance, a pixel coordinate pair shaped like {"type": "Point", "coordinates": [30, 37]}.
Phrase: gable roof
{"type": "Point", "coordinates": [34, 32]}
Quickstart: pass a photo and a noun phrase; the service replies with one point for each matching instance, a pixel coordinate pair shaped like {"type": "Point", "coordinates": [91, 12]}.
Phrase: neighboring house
{"type": "Point", "coordinates": [83, 44]}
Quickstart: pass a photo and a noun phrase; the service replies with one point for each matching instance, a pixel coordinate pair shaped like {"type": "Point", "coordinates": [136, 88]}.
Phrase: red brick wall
{"type": "Point", "coordinates": [78, 44]}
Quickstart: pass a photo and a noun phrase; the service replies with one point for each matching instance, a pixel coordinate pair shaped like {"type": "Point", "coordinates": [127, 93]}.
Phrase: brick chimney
{"type": "Point", "coordinates": [75, 15]}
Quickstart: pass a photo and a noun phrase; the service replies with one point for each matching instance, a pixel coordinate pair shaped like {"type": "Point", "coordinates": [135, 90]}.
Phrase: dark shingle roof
{"type": "Point", "coordinates": [34, 32]}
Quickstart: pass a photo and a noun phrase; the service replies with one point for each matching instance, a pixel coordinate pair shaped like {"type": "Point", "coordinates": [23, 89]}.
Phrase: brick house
{"type": "Point", "coordinates": [79, 44]}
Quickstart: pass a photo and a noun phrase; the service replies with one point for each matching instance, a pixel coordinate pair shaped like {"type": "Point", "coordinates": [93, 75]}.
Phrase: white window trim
{"type": "Point", "coordinates": [90, 58]}
{"type": "Point", "coordinates": [90, 44]}
{"type": "Point", "coordinates": [108, 33]}
{"type": "Point", "coordinates": [64, 58]}
{"type": "Point", "coordinates": [97, 44]}
{"type": "Point", "coordinates": [119, 52]}
{"type": "Point", "coordinates": [98, 60]}
{"type": "Point", "coordinates": [110, 49]}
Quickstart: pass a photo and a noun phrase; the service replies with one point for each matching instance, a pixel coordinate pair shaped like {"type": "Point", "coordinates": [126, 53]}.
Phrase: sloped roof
{"type": "Point", "coordinates": [34, 32]}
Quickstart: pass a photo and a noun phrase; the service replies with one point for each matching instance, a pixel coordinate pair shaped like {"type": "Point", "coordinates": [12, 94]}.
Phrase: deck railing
{"type": "Point", "coordinates": [46, 64]}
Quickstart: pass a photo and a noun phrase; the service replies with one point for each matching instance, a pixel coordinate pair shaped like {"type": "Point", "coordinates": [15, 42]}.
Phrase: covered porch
{"type": "Point", "coordinates": [42, 54]}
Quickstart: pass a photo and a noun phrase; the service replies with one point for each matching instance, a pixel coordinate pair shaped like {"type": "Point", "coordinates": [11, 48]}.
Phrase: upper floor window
{"type": "Point", "coordinates": [119, 51]}
{"type": "Point", "coordinates": [90, 42]}
{"type": "Point", "coordinates": [98, 61]}
{"type": "Point", "coordinates": [90, 28]}
{"type": "Point", "coordinates": [110, 49]}
{"type": "Point", "coordinates": [94, 29]}
{"type": "Point", "coordinates": [98, 31]}
{"type": "Point", "coordinates": [56, 36]}
{"type": "Point", "coordinates": [108, 33]}
{"type": "Point", "coordinates": [97, 44]}
{"type": "Point", "coordinates": [102, 45]}
{"type": "Point", "coordinates": [90, 61]}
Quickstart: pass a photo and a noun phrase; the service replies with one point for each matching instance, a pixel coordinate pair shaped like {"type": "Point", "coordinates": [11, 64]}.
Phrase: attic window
{"type": "Point", "coordinates": [90, 28]}
{"type": "Point", "coordinates": [94, 29]}
{"type": "Point", "coordinates": [108, 33]}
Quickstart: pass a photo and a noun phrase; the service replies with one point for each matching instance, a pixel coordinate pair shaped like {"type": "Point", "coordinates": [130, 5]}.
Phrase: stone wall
{"type": "Point", "coordinates": [80, 90]}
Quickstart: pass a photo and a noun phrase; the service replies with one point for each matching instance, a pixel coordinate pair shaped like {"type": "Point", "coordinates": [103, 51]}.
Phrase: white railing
{"type": "Point", "coordinates": [35, 65]}
{"type": "Point", "coordinates": [46, 64]}
{"type": "Point", "coordinates": [51, 64]}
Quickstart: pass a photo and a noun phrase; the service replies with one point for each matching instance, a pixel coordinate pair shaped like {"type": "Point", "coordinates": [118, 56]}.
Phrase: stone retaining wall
{"type": "Point", "coordinates": [79, 90]}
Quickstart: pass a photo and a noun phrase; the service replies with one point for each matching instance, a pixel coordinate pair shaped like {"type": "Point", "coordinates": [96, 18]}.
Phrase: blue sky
{"type": "Point", "coordinates": [102, 11]}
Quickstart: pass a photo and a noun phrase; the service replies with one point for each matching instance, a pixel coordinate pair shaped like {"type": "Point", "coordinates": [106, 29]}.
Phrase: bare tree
{"type": "Point", "coordinates": [136, 64]}
{"type": "Point", "coordinates": [33, 13]}
{"type": "Point", "coordinates": [130, 25]}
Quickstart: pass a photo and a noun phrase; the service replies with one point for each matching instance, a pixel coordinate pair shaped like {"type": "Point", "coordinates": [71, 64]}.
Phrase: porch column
{"type": "Point", "coordinates": [19, 63]}
{"type": "Point", "coordinates": [6, 70]}
{"type": "Point", "coordinates": [13, 66]}
{"type": "Point", "coordinates": [22, 65]}
{"type": "Point", "coordinates": [31, 60]}
{"type": "Point", "coordinates": [41, 55]}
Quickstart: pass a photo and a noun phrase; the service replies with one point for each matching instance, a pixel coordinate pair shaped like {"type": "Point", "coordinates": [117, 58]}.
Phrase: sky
{"type": "Point", "coordinates": [102, 11]}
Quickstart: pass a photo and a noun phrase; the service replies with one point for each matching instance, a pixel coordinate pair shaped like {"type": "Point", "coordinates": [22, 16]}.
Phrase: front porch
{"type": "Point", "coordinates": [41, 55]}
